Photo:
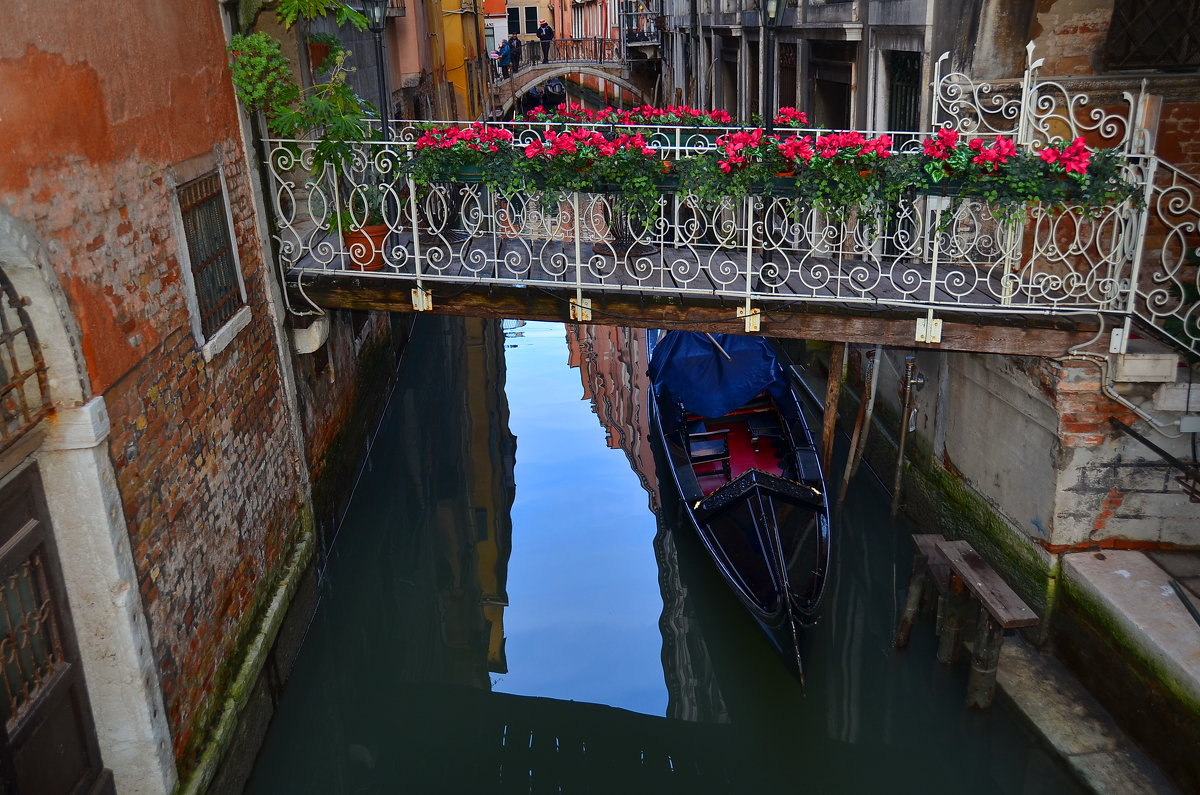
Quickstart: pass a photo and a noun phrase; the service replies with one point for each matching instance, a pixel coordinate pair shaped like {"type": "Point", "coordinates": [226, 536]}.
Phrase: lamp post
{"type": "Point", "coordinates": [376, 13]}
{"type": "Point", "coordinates": [771, 9]}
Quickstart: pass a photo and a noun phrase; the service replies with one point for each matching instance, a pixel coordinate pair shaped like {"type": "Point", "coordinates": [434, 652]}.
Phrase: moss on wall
{"type": "Point", "coordinates": [204, 722]}
{"type": "Point", "coordinates": [1143, 696]}
{"type": "Point", "coordinates": [1163, 718]}
{"type": "Point", "coordinates": [936, 500]}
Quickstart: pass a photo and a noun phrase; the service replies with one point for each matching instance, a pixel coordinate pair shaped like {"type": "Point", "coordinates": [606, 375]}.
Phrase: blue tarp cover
{"type": "Point", "coordinates": [693, 372]}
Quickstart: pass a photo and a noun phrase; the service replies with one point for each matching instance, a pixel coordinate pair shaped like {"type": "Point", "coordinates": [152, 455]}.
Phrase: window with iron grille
{"type": "Point", "coordinates": [213, 262]}
{"type": "Point", "coordinates": [1154, 34]}
{"type": "Point", "coordinates": [24, 386]}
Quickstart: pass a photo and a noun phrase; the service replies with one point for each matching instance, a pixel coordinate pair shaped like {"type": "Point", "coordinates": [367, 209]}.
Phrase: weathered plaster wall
{"type": "Point", "coordinates": [1032, 438]}
{"type": "Point", "coordinates": [1113, 491]}
{"type": "Point", "coordinates": [99, 109]}
{"type": "Point", "coordinates": [1070, 35]}
{"type": "Point", "coordinates": [1001, 435]}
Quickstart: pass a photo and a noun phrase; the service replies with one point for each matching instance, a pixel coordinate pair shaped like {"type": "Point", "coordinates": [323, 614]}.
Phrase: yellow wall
{"type": "Point", "coordinates": [461, 32]}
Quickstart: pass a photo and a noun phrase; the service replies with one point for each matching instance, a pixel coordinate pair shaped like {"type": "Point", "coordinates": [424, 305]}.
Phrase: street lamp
{"type": "Point", "coordinates": [772, 9]}
{"type": "Point", "coordinates": [376, 13]}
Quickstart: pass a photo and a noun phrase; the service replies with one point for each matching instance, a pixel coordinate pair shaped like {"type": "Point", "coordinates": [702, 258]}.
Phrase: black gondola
{"type": "Point", "coordinates": [743, 459]}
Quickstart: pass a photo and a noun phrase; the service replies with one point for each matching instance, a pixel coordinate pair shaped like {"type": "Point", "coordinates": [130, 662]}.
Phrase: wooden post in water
{"type": "Point", "coordinates": [833, 391]}
{"type": "Point", "coordinates": [910, 363]}
{"type": "Point", "coordinates": [912, 602]}
{"type": "Point", "coordinates": [862, 425]}
{"type": "Point", "coordinates": [985, 657]}
{"type": "Point", "coordinates": [953, 617]}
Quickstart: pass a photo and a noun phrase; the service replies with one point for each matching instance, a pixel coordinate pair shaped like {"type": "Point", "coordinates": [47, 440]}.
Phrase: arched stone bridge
{"type": "Point", "coordinates": [596, 57]}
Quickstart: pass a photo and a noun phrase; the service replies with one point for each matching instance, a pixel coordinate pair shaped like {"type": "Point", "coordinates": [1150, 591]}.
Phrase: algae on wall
{"type": "Point", "coordinates": [938, 500]}
{"type": "Point", "coordinates": [1162, 717]}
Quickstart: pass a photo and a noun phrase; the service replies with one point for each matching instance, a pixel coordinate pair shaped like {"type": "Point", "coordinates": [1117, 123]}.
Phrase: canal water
{"type": "Point", "coordinates": [513, 604]}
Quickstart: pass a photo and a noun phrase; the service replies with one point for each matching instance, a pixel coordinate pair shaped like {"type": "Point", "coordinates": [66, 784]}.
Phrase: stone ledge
{"type": "Point", "coordinates": [1137, 594]}
{"type": "Point", "coordinates": [1074, 725]}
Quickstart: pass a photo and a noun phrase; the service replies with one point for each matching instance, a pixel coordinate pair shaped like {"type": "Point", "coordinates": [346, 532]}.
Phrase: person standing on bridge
{"type": "Point", "coordinates": [514, 49]}
{"type": "Point", "coordinates": [505, 53]}
{"type": "Point", "coordinates": [545, 35]}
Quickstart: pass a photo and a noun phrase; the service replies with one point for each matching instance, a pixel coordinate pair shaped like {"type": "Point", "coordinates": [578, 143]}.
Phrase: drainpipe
{"type": "Point", "coordinates": [695, 94]}
{"type": "Point", "coordinates": [1106, 382]}
{"type": "Point", "coordinates": [1106, 388]}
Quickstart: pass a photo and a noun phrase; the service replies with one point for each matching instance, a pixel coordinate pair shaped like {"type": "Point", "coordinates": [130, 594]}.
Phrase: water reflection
{"type": "Point", "coordinates": [584, 590]}
{"type": "Point", "coordinates": [498, 567]}
{"type": "Point", "coordinates": [613, 365]}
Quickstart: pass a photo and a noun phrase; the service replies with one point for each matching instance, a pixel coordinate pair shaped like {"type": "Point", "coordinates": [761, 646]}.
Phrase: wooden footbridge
{"type": "Point", "coordinates": [933, 272]}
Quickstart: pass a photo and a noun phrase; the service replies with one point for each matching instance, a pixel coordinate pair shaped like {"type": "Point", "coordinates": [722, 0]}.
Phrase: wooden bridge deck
{"type": "Point", "coordinates": [679, 288]}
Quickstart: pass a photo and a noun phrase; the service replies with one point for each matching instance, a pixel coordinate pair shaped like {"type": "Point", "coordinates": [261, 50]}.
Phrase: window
{"type": "Point", "coordinates": [212, 258]}
{"type": "Point", "coordinates": [24, 389]}
{"type": "Point", "coordinates": [514, 21]}
{"type": "Point", "coordinates": [531, 19]}
{"type": "Point", "coordinates": [1154, 34]}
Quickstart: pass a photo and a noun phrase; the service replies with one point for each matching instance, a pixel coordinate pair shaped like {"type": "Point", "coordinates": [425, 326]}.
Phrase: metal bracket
{"type": "Point", "coordinates": [929, 329]}
{"type": "Point", "coordinates": [753, 319]}
{"type": "Point", "coordinates": [581, 309]}
{"type": "Point", "coordinates": [422, 299]}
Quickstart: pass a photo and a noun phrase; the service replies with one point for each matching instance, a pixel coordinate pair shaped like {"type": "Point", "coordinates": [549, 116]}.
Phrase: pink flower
{"type": "Point", "coordinates": [790, 116]}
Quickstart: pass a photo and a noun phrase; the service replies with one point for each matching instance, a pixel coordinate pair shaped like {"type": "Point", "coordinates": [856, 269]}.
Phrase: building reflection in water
{"type": "Point", "coordinates": [457, 489]}
{"type": "Point", "coordinates": [612, 365]}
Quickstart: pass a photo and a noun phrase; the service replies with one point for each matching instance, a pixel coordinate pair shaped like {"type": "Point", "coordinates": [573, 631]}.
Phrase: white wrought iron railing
{"type": "Point", "coordinates": [771, 252]}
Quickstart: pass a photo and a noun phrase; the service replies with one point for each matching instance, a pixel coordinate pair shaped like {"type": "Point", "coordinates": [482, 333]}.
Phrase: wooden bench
{"type": "Point", "coordinates": [710, 447]}
{"type": "Point", "coordinates": [762, 424]}
{"type": "Point", "coordinates": [964, 581]}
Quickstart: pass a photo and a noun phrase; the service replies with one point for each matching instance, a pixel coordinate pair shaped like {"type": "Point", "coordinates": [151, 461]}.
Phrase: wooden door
{"type": "Point", "coordinates": [47, 739]}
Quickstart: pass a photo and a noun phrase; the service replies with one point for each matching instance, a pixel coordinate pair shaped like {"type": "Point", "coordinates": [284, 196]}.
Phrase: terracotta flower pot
{"type": "Point", "coordinates": [317, 53]}
{"type": "Point", "coordinates": [365, 247]}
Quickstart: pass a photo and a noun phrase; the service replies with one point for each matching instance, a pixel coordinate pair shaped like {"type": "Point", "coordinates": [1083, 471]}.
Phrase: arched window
{"type": "Point", "coordinates": [24, 389]}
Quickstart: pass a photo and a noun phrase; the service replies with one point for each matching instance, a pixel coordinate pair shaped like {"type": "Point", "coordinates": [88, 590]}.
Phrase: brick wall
{"type": "Point", "coordinates": [1179, 135]}
{"type": "Point", "coordinates": [348, 380]}
{"type": "Point", "coordinates": [206, 467]}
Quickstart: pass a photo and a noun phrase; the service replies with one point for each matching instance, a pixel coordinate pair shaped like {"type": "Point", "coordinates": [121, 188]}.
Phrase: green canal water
{"type": "Point", "coordinates": [513, 604]}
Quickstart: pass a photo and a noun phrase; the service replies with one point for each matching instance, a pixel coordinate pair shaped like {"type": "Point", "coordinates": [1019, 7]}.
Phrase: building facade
{"type": "Point", "coordinates": [159, 421]}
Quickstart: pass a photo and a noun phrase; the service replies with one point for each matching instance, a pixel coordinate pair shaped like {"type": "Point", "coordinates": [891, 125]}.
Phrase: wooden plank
{"type": "Point", "coordinates": [987, 334]}
{"type": "Point", "coordinates": [939, 569]}
{"type": "Point", "coordinates": [1001, 602]}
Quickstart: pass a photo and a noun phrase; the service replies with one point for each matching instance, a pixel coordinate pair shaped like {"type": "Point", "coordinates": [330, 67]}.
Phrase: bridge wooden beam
{"type": "Point", "coordinates": [1023, 336]}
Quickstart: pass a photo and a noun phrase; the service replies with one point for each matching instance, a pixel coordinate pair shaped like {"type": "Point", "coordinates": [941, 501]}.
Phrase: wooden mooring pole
{"type": "Point", "coordinates": [910, 364]}
{"type": "Point", "coordinates": [833, 391]}
{"type": "Point", "coordinates": [866, 407]}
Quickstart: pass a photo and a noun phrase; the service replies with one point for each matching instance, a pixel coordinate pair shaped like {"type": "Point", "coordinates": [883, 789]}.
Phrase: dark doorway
{"type": "Point", "coordinates": [787, 75]}
{"type": "Point", "coordinates": [904, 91]}
{"type": "Point", "coordinates": [729, 79]}
{"type": "Point", "coordinates": [48, 742]}
{"type": "Point", "coordinates": [831, 65]}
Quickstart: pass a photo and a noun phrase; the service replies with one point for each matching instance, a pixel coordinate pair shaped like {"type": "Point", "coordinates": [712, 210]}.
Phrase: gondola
{"type": "Point", "coordinates": [747, 470]}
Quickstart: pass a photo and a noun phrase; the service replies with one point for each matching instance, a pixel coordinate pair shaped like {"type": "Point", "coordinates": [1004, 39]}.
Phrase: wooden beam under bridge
{"type": "Point", "coordinates": [1018, 335]}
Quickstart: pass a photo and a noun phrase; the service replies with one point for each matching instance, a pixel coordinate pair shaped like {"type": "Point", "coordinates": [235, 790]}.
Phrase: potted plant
{"type": "Point", "coordinates": [320, 47]}
{"type": "Point", "coordinates": [742, 162]}
{"type": "Point", "coordinates": [1011, 179]}
{"type": "Point", "coordinates": [589, 161]}
{"type": "Point", "coordinates": [470, 153]}
{"type": "Point", "coordinates": [361, 222]}
{"type": "Point", "coordinates": [619, 164]}
{"type": "Point", "coordinates": [330, 114]}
